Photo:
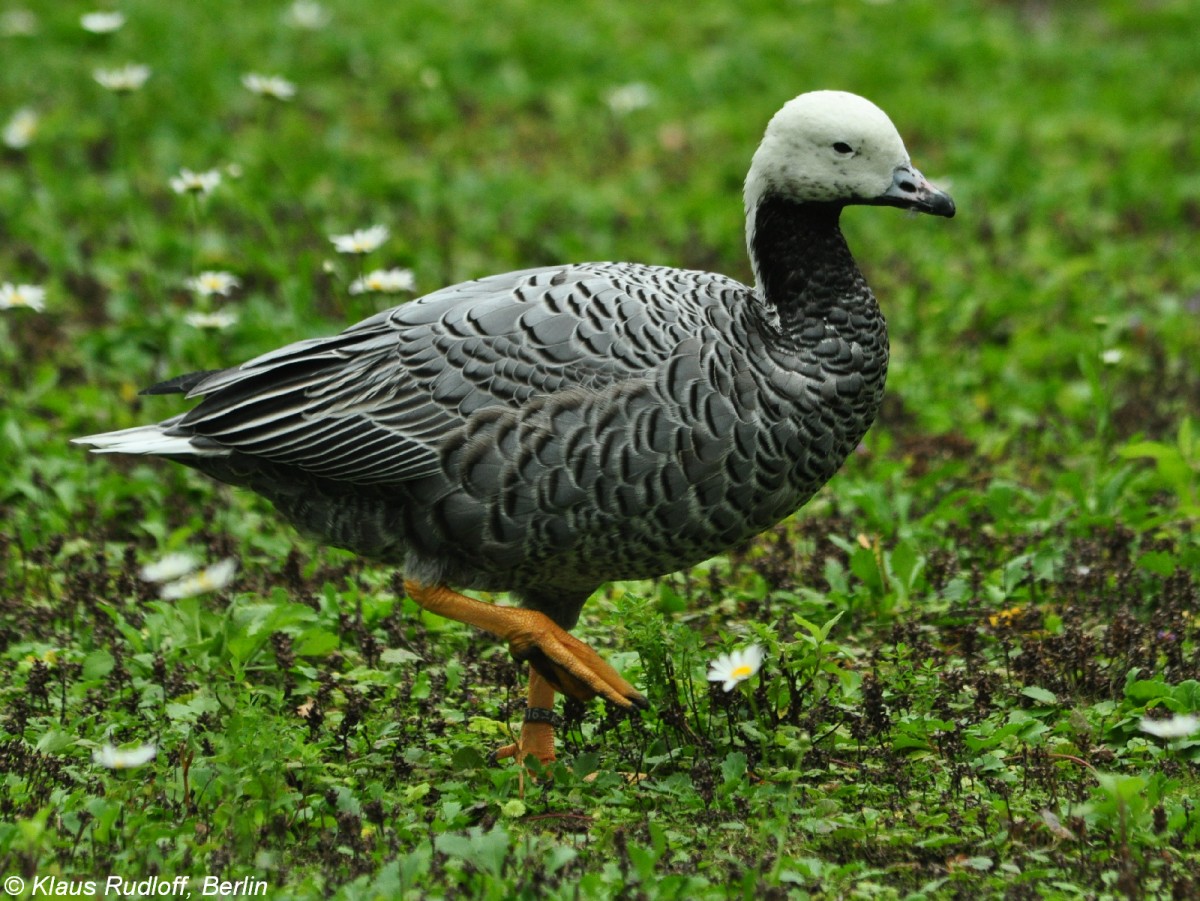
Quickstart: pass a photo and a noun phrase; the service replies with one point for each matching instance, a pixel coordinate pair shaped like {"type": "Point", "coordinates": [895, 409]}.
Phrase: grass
{"type": "Point", "coordinates": [963, 630]}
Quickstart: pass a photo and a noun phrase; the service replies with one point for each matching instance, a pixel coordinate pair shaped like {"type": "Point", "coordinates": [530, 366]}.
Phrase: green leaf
{"type": "Point", "coordinates": [1122, 787]}
{"type": "Point", "coordinates": [906, 566]}
{"type": "Point", "coordinates": [467, 758]}
{"type": "Point", "coordinates": [1041, 695]}
{"type": "Point", "coordinates": [865, 564]}
{"type": "Point", "coordinates": [97, 664]}
{"type": "Point", "coordinates": [982, 864]}
{"type": "Point", "coordinates": [1159, 563]}
{"type": "Point", "coordinates": [558, 857]}
{"type": "Point", "coordinates": [733, 767]}
{"type": "Point", "coordinates": [585, 764]}
{"type": "Point", "coordinates": [1143, 690]}
{"type": "Point", "coordinates": [315, 642]}
{"type": "Point", "coordinates": [415, 793]}
{"type": "Point", "coordinates": [485, 850]}
{"type": "Point", "coordinates": [1187, 696]}
{"type": "Point", "coordinates": [55, 741]}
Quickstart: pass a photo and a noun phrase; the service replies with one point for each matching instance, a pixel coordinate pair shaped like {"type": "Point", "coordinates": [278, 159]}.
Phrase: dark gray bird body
{"type": "Point", "coordinates": [545, 431]}
{"type": "Point", "coordinates": [549, 430]}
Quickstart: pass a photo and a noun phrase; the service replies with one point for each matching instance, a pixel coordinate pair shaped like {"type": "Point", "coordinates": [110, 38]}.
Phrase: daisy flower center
{"type": "Point", "coordinates": [741, 672]}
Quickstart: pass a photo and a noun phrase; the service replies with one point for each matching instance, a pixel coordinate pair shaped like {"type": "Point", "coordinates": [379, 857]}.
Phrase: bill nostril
{"type": "Point", "coordinates": [908, 186]}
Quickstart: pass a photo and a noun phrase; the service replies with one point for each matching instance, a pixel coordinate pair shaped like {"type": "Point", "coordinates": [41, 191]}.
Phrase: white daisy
{"type": "Point", "coordinates": [216, 320]}
{"type": "Point", "coordinates": [172, 566]}
{"type": "Point", "coordinates": [20, 129]}
{"type": "Point", "coordinates": [364, 240]}
{"type": "Point", "coordinates": [211, 578]}
{"type": "Point", "coordinates": [384, 281]}
{"type": "Point", "coordinates": [1179, 726]}
{"type": "Point", "coordinates": [629, 97]}
{"type": "Point", "coordinates": [1112, 356]}
{"type": "Point", "coordinates": [189, 182]}
{"type": "Point", "coordinates": [31, 296]}
{"type": "Point", "coordinates": [306, 14]}
{"type": "Point", "coordinates": [735, 667]}
{"type": "Point", "coordinates": [206, 284]}
{"type": "Point", "coordinates": [102, 22]}
{"type": "Point", "coordinates": [115, 758]}
{"type": "Point", "coordinates": [124, 80]}
{"type": "Point", "coordinates": [269, 86]}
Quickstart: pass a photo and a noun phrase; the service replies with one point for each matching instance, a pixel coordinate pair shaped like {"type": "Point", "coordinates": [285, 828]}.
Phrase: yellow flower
{"type": "Point", "coordinates": [1006, 617]}
{"type": "Point", "coordinates": [19, 131]}
{"type": "Point", "coordinates": [31, 296]}
{"type": "Point", "coordinates": [735, 667]}
{"type": "Point", "coordinates": [384, 281]}
{"type": "Point", "coordinates": [189, 182]}
{"type": "Point", "coordinates": [124, 80]}
{"type": "Point", "coordinates": [211, 578]}
{"type": "Point", "coordinates": [269, 86]}
{"type": "Point", "coordinates": [214, 320]}
{"type": "Point", "coordinates": [172, 566]}
{"type": "Point", "coordinates": [363, 240]}
{"type": "Point", "coordinates": [115, 758]}
{"type": "Point", "coordinates": [207, 284]}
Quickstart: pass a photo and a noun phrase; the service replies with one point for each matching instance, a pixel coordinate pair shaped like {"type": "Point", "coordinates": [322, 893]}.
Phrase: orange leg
{"type": "Point", "coordinates": [537, 737]}
{"type": "Point", "coordinates": [565, 663]}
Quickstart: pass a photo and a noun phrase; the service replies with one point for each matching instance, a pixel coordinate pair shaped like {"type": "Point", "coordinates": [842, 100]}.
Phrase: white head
{"type": "Point", "coordinates": [835, 147]}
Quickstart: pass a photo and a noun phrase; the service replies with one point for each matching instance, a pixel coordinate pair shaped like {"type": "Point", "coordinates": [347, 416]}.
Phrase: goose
{"type": "Point", "coordinates": [545, 431]}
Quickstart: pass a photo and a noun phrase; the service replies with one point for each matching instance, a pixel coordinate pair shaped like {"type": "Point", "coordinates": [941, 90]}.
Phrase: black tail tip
{"type": "Point", "coordinates": [181, 384]}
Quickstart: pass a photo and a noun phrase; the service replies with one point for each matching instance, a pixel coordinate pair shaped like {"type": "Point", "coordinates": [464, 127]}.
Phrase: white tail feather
{"type": "Point", "coordinates": [146, 439]}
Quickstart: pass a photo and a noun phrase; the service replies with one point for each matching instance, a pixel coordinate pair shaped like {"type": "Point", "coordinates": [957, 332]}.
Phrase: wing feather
{"type": "Point", "coordinates": [375, 403]}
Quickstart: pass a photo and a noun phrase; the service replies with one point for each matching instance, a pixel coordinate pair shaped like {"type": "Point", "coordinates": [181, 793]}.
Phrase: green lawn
{"type": "Point", "coordinates": [963, 631]}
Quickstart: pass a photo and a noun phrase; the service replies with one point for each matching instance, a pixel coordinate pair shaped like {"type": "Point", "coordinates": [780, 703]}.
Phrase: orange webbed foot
{"type": "Point", "coordinates": [568, 664]}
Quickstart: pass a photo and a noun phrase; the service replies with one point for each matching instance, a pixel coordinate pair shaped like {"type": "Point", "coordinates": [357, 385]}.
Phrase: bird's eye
{"type": "Point", "coordinates": [843, 147]}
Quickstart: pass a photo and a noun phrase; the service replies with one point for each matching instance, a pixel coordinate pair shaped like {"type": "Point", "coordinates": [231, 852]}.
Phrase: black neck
{"type": "Point", "coordinates": [804, 266]}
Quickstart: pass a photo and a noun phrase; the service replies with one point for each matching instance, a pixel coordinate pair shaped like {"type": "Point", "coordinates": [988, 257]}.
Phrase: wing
{"type": "Point", "coordinates": [373, 404]}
